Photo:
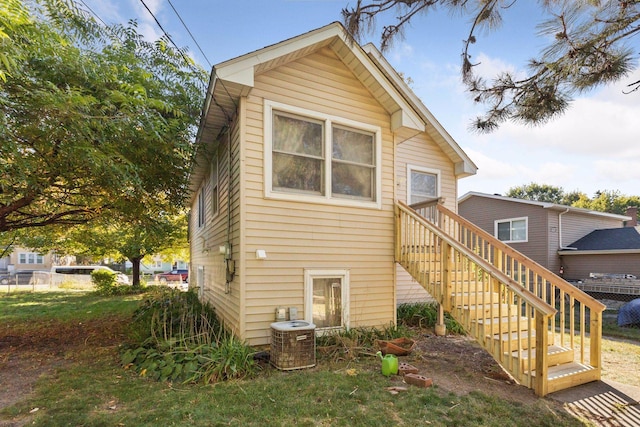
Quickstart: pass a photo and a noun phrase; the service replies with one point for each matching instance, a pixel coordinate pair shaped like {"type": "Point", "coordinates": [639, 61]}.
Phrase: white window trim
{"type": "Point", "coordinates": [526, 228]}
{"type": "Point", "coordinates": [34, 256]}
{"type": "Point", "coordinates": [436, 172]}
{"type": "Point", "coordinates": [309, 275]}
{"type": "Point", "coordinates": [202, 207]}
{"type": "Point", "coordinates": [328, 121]}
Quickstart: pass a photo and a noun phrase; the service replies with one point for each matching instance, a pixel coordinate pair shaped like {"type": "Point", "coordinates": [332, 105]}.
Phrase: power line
{"type": "Point", "coordinates": [189, 62]}
{"type": "Point", "coordinates": [206, 59]}
{"type": "Point", "coordinates": [184, 56]}
{"type": "Point", "coordinates": [93, 13]}
{"type": "Point", "coordinates": [188, 31]}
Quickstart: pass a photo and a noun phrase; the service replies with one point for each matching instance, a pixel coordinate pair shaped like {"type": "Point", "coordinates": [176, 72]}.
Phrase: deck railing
{"type": "Point", "coordinates": [451, 256]}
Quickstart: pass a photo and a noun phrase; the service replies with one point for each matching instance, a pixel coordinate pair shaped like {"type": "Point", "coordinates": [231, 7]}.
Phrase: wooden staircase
{"type": "Point", "coordinates": [542, 330]}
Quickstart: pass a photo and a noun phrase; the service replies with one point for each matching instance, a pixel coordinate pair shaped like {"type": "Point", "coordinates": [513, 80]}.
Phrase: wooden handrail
{"type": "Point", "coordinates": [426, 203]}
{"type": "Point", "coordinates": [532, 265]}
{"type": "Point", "coordinates": [535, 302]}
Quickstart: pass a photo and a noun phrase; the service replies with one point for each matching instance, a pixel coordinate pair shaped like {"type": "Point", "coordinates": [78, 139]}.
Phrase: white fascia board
{"type": "Point", "coordinates": [544, 205]}
{"type": "Point", "coordinates": [237, 73]}
{"type": "Point", "coordinates": [241, 69]}
{"type": "Point", "coordinates": [463, 169]}
{"type": "Point", "coordinates": [401, 119]}
{"type": "Point", "coordinates": [424, 114]}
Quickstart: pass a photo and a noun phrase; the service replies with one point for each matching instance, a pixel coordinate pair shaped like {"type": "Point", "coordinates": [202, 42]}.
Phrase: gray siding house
{"type": "Point", "coordinates": [613, 251]}
{"type": "Point", "coordinates": [544, 231]}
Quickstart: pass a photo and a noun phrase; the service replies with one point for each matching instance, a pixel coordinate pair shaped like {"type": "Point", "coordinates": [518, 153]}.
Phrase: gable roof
{"type": "Point", "coordinates": [614, 239]}
{"type": "Point", "coordinates": [232, 79]}
{"type": "Point", "coordinates": [463, 165]}
{"type": "Point", "coordinates": [543, 205]}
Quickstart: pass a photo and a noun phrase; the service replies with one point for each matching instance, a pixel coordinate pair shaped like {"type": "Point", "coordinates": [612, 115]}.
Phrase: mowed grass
{"type": "Point", "coordinates": [93, 389]}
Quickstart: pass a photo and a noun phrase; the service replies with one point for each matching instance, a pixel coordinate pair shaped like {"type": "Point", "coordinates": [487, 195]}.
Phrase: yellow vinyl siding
{"type": "Point", "coordinates": [421, 151]}
{"type": "Point", "coordinates": [314, 233]}
{"type": "Point", "coordinates": [205, 241]}
{"type": "Point", "coordinates": [309, 235]}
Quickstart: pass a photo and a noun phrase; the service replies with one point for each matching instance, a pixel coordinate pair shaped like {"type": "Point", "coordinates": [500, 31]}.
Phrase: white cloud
{"type": "Point", "coordinates": [401, 52]}
{"type": "Point", "coordinates": [488, 67]}
{"type": "Point", "coordinates": [147, 25]}
{"type": "Point", "coordinates": [619, 171]}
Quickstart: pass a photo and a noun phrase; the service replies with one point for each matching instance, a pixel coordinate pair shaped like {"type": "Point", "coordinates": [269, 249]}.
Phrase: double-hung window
{"type": "Point", "coordinates": [309, 156]}
{"type": "Point", "coordinates": [512, 230]}
{"type": "Point", "coordinates": [30, 258]}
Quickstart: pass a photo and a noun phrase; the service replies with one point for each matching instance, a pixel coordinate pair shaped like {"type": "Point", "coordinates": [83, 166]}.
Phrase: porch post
{"type": "Point", "coordinates": [441, 328]}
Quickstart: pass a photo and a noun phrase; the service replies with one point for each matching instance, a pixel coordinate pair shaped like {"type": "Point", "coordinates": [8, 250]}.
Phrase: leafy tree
{"type": "Point", "coordinates": [94, 121]}
{"type": "Point", "coordinates": [537, 192]}
{"type": "Point", "coordinates": [589, 47]}
{"type": "Point", "coordinates": [145, 236]}
{"type": "Point", "coordinates": [131, 238]}
{"type": "Point", "coordinates": [12, 14]}
{"type": "Point", "coordinates": [610, 201]}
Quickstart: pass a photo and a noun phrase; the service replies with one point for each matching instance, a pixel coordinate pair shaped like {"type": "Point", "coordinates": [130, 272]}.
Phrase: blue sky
{"type": "Point", "coordinates": [594, 146]}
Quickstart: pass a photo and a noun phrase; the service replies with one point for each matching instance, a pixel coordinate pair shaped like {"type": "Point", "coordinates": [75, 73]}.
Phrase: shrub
{"type": "Point", "coordinates": [106, 284]}
{"type": "Point", "coordinates": [105, 281]}
{"type": "Point", "coordinates": [178, 338]}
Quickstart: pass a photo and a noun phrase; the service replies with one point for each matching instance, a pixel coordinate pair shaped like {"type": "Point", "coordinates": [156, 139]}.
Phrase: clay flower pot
{"type": "Point", "coordinates": [397, 347]}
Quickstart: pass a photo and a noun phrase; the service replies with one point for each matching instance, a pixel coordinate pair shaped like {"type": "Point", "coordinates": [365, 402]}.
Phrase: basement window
{"type": "Point", "coordinates": [327, 298]}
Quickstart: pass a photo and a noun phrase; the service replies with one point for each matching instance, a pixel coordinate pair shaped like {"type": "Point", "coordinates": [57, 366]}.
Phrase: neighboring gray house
{"type": "Point", "coordinates": [610, 251]}
{"type": "Point", "coordinates": [546, 232]}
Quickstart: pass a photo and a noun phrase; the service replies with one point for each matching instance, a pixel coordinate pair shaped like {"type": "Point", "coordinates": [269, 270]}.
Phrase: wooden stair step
{"type": "Point", "coordinates": [475, 311]}
{"type": "Point", "coordinates": [504, 324]}
{"type": "Point", "coordinates": [569, 375]}
{"type": "Point", "coordinates": [466, 298]}
{"type": "Point", "coordinates": [556, 355]}
{"type": "Point", "coordinates": [508, 342]}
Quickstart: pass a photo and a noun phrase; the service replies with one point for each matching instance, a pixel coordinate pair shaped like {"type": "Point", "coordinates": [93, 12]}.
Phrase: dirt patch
{"type": "Point", "coordinates": [459, 365]}
{"type": "Point", "coordinates": [26, 357]}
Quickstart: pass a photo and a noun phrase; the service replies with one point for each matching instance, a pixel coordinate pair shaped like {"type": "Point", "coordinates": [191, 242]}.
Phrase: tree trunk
{"type": "Point", "coordinates": [135, 271]}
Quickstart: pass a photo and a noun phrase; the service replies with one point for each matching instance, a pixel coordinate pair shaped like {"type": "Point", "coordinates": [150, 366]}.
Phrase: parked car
{"type": "Point", "coordinates": [173, 276]}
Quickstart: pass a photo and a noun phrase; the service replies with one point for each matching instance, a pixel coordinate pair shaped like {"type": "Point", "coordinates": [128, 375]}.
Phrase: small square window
{"type": "Point", "coordinates": [423, 184]}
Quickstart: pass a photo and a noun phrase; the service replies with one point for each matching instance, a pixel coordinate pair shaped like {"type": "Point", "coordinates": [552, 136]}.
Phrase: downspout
{"type": "Point", "coordinates": [560, 229]}
{"type": "Point", "coordinates": [562, 247]}
{"type": "Point", "coordinates": [229, 262]}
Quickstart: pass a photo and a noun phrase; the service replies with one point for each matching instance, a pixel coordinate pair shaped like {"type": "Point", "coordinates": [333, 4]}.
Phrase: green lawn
{"type": "Point", "coordinates": [92, 389]}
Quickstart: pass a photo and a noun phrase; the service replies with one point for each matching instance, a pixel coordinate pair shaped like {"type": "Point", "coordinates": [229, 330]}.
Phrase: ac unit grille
{"type": "Point", "coordinates": [293, 349]}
